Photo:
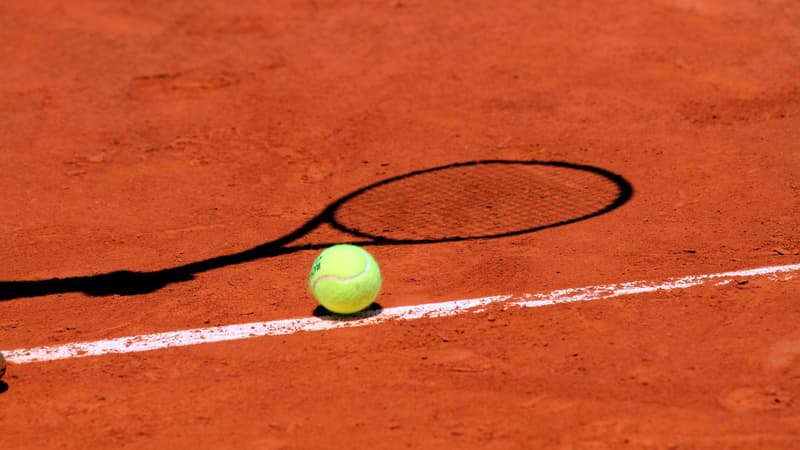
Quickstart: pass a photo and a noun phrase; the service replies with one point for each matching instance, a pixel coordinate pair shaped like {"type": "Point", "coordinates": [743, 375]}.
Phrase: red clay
{"type": "Point", "coordinates": [141, 135]}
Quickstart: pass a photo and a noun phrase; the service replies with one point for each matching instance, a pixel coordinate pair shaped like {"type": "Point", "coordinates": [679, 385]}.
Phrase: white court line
{"type": "Point", "coordinates": [147, 342]}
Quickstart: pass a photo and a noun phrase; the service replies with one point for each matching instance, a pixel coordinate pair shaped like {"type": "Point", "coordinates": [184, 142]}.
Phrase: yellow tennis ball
{"type": "Point", "coordinates": [345, 279]}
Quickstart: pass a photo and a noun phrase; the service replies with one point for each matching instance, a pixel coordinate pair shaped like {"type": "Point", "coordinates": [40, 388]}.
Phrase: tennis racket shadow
{"type": "Point", "coordinates": [474, 200]}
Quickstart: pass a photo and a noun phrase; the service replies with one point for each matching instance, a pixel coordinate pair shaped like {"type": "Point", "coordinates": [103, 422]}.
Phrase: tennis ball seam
{"type": "Point", "coordinates": [367, 266]}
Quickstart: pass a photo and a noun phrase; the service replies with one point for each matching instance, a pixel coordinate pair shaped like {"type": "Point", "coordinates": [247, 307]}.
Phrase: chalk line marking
{"type": "Point", "coordinates": [147, 342]}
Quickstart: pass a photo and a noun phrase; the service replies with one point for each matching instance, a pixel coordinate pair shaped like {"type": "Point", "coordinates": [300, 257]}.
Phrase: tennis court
{"type": "Point", "coordinates": [587, 217]}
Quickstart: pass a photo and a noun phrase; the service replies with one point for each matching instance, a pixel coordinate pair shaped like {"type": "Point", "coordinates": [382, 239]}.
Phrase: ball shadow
{"type": "Point", "coordinates": [325, 314]}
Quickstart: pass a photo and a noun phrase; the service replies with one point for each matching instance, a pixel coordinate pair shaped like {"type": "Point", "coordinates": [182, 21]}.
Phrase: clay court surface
{"type": "Point", "coordinates": [140, 136]}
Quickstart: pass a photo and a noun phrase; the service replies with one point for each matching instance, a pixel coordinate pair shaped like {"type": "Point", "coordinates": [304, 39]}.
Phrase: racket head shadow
{"type": "Point", "coordinates": [468, 200]}
{"type": "Point", "coordinates": [478, 200]}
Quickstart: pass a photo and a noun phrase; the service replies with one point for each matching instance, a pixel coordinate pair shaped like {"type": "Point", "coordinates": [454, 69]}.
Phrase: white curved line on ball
{"type": "Point", "coordinates": [350, 278]}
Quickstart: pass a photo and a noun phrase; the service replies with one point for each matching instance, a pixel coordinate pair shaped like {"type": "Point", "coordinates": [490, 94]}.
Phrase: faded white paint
{"type": "Point", "coordinates": [147, 342]}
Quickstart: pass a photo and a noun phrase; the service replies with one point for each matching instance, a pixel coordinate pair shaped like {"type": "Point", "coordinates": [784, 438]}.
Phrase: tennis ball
{"type": "Point", "coordinates": [345, 279]}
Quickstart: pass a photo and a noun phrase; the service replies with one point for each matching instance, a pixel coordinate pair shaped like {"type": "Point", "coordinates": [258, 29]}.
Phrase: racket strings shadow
{"type": "Point", "coordinates": [457, 202]}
